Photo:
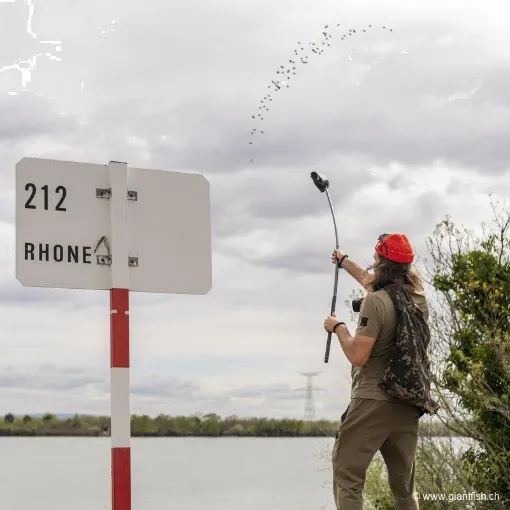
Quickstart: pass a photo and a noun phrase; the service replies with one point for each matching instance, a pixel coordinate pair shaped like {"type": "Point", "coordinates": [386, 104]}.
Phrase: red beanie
{"type": "Point", "coordinates": [395, 247]}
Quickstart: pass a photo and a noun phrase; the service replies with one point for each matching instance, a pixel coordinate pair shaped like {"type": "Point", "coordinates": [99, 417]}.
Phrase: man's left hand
{"type": "Point", "coordinates": [330, 322]}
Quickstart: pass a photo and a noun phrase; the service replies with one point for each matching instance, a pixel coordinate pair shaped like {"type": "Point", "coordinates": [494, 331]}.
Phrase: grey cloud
{"type": "Point", "coordinates": [255, 199]}
{"type": "Point", "coordinates": [301, 258]}
{"type": "Point", "coordinates": [165, 387]}
{"type": "Point", "coordinates": [375, 122]}
{"type": "Point", "coordinates": [293, 194]}
{"type": "Point", "coordinates": [177, 389]}
{"type": "Point", "coordinates": [304, 255]}
{"type": "Point", "coordinates": [402, 91]}
{"type": "Point", "coordinates": [152, 386]}
{"type": "Point", "coordinates": [7, 213]}
{"type": "Point", "coordinates": [273, 392]}
{"type": "Point", "coordinates": [12, 293]}
{"type": "Point", "coordinates": [48, 377]}
{"type": "Point", "coordinates": [207, 127]}
{"type": "Point", "coordinates": [54, 378]}
{"type": "Point", "coordinates": [27, 115]}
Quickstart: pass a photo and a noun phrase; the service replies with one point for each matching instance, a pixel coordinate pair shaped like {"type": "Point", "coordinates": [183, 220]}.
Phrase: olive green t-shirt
{"type": "Point", "coordinates": [378, 319]}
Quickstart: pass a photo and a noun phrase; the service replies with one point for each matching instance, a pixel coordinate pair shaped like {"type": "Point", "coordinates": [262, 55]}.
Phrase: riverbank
{"type": "Point", "coordinates": [208, 425]}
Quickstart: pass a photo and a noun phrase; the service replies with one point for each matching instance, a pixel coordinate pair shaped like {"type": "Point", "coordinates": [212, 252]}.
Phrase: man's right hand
{"type": "Point", "coordinates": [336, 256]}
{"type": "Point", "coordinates": [356, 271]}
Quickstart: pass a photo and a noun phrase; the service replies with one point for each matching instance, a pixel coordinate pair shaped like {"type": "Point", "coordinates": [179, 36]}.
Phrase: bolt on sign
{"type": "Point", "coordinates": [117, 228]}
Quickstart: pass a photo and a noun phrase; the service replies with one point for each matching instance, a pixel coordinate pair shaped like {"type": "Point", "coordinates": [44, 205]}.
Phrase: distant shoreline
{"type": "Point", "coordinates": [208, 425]}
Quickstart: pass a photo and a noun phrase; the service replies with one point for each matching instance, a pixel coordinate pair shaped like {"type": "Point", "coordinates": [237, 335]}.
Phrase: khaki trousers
{"type": "Point", "coordinates": [366, 427]}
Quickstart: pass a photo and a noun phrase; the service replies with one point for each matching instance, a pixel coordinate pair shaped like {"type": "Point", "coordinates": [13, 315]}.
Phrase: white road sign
{"type": "Point", "coordinates": [60, 220]}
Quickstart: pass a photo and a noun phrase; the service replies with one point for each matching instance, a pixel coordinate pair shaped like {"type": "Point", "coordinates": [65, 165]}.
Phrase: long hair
{"type": "Point", "coordinates": [386, 271]}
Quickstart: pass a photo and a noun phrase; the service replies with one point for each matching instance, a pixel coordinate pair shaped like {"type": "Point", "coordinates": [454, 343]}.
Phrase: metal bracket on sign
{"type": "Point", "coordinates": [107, 193]}
{"type": "Point", "coordinates": [104, 260]}
{"type": "Point", "coordinates": [103, 192]}
{"type": "Point", "coordinates": [133, 261]}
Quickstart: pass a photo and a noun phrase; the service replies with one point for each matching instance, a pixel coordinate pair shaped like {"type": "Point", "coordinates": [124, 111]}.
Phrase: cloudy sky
{"type": "Point", "coordinates": [409, 125]}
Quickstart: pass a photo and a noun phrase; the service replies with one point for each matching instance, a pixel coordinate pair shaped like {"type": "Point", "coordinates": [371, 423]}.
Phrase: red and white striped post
{"type": "Point", "coordinates": [119, 340]}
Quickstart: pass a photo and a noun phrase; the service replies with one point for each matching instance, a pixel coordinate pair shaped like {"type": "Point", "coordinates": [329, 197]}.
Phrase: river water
{"type": "Point", "coordinates": [168, 473]}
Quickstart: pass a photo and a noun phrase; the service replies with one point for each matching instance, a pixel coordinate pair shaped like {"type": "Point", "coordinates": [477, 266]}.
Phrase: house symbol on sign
{"type": "Point", "coordinates": [103, 260]}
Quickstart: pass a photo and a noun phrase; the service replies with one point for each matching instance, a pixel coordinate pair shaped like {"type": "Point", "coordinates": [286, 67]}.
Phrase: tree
{"type": "Point", "coordinates": [48, 418]}
{"type": "Point", "coordinates": [210, 425]}
{"type": "Point", "coordinates": [143, 425]}
{"type": "Point", "coordinates": [9, 418]}
{"type": "Point", "coordinates": [75, 422]}
{"type": "Point", "coordinates": [470, 322]}
{"type": "Point", "coordinates": [27, 418]}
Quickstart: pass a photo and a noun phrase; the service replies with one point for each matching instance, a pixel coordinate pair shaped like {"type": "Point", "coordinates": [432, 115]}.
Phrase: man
{"type": "Point", "coordinates": [375, 420]}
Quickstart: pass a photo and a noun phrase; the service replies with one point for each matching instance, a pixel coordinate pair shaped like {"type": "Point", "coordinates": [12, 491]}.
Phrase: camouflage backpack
{"type": "Point", "coordinates": [407, 376]}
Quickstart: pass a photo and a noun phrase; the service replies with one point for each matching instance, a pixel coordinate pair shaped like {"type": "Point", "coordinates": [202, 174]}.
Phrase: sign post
{"type": "Point", "coordinates": [120, 431]}
{"type": "Point", "coordinates": [112, 227]}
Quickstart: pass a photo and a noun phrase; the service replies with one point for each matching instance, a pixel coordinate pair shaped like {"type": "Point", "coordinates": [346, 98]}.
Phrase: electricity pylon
{"type": "Point", "coordinates": [309, 391]}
